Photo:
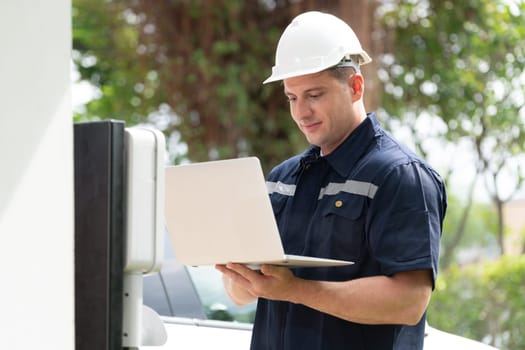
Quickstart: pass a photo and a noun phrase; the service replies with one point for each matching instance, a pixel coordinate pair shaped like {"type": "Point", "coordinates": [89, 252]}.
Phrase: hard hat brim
{"type": "Point", "coordinates": [276, 75]}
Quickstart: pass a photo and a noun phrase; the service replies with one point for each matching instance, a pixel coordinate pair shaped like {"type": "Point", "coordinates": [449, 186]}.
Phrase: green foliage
{"type": "Point", "coordinates": [105, 42]}
{"type": "Point", "coordinates": [483, 301]}
{"type": "Point", "coordinates": [206, 63]}
{"type": "Point", "coordinates": [478, 233]}
{"type": "Point", "coordinates": [465, 67]}
{"type": "Point", "coordinates": [465, 64]}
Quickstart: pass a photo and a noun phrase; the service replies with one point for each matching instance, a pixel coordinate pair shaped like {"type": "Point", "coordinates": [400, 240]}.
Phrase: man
{"type": "Point", "coordinates": [357, 195]}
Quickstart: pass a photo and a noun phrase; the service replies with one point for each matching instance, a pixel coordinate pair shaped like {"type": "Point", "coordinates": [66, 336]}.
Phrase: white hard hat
{"type": "Point", "coordinates": [312, 42]}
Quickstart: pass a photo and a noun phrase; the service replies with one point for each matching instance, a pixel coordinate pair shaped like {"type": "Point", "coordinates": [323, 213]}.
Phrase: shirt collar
{"type": "Point", "coordinates": [310, 155]}
{"type": "Point", "coordinates": [346, 155]}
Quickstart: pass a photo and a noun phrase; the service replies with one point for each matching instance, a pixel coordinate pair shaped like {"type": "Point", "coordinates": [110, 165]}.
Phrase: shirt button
{"type": "Point", "coordinates": [338, 204]}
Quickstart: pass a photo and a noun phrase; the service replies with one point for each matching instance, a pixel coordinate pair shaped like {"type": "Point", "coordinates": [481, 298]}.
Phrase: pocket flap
{"type": "Point", "coordinates": [347, 205]}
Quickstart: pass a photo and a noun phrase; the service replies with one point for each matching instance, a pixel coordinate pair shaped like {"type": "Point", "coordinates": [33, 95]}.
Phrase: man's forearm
{"type": "Point", "coordinates": [400, 299]}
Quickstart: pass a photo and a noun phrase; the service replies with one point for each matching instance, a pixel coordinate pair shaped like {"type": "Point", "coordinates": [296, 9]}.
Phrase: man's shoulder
{"type": "Point", "coordinates": [285, 169]}
{"type": "Point", "coordinates": [386, 155]}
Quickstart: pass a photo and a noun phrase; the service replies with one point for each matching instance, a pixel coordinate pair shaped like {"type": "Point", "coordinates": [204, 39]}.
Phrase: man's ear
{"type": "Point", "coordinates": [357, 86]}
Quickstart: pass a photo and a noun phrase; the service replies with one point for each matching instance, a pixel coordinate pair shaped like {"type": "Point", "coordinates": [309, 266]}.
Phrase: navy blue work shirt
{"type": "Point", "coordinates": [371, 201]}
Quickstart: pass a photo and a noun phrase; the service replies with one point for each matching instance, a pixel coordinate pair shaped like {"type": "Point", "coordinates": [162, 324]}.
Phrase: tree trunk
{"type": "Point", "coordinates": [359, 15]}
{"type": "Point", "coordinates": [450, 248]}
{"type": "Point", "coordinates": [501, 226]}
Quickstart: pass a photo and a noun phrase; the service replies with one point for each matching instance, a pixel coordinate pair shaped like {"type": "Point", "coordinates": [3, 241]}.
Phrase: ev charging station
{"type": "Point", "coordinates": [119, 230]}
{"type": "Point", "coordinates": [144, 230]}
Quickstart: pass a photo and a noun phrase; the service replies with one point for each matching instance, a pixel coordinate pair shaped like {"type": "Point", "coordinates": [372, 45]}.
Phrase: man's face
{"type": "Point", "coordinates": [322, 108]}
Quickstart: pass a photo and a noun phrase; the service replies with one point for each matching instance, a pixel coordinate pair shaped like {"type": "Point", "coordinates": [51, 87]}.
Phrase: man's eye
{"type": "Point", "coordinates": [290, 98]}
{"type": "Point", "coordinates": [314, 96]}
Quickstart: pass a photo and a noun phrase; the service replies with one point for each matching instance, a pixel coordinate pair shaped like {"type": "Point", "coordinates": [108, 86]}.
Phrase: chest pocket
{"type": "Point", "coordinates": [342, 227]}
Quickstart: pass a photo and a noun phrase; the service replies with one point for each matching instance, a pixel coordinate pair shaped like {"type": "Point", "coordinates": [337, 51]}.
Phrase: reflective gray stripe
{"type": "Point", "coordinates": [350, 186]}
{"type": "Point", "coordinates": [279, 187]}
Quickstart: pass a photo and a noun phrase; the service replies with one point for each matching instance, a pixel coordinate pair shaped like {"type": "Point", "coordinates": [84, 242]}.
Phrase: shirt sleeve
{"type": "Point", "coordinates": [405, 220]}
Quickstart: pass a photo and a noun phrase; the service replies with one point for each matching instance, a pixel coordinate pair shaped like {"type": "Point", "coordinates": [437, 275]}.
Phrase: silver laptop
{"type": "Point", "coordinates": [220, 211]}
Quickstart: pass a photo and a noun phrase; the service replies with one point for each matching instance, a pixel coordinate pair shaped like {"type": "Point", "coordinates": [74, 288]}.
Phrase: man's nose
{"type": "Point", "coordinates": [303, 109]}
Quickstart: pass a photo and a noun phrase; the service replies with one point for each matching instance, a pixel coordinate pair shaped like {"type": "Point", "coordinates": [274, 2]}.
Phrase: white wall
{"type": "Point", "coordinates": [36, 176]}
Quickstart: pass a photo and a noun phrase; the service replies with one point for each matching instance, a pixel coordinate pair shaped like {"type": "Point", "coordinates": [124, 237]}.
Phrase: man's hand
{"type": "Point", "coordinates": [270, 282]}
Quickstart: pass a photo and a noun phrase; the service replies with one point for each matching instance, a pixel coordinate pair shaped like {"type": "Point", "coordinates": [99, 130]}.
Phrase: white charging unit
{"type": "Point", "coordinates": [144, 152]}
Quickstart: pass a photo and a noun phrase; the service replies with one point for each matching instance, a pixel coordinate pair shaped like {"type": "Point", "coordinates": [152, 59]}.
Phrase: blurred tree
{"type": "Point", "coordinates": [209, 61]}
{"type": "Point", "coordinates": [196, 70]}
{"type": "Point", "coordinates": [466, 66]}
{"type": "Point", "coordinates": [470, 240]}
{"type": "Point", "coordinates": [105, 44]}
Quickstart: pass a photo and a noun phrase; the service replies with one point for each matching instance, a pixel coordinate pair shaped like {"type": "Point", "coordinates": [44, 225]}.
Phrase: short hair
{"type": "Point", "coordinates": [341, 73]}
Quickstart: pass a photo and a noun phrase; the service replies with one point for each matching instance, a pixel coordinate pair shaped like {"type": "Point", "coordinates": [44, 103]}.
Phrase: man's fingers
{"type": "Point", "coordinates": [221, 268]}
{"type": "Point", "coordinates": [242, 270]}
{"type": "Point", "coordinates": [238, 274]}
{"type": "Point", "coordinates": [268, 269]}
{"type": "Point", "coordinates": [274, 270]}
